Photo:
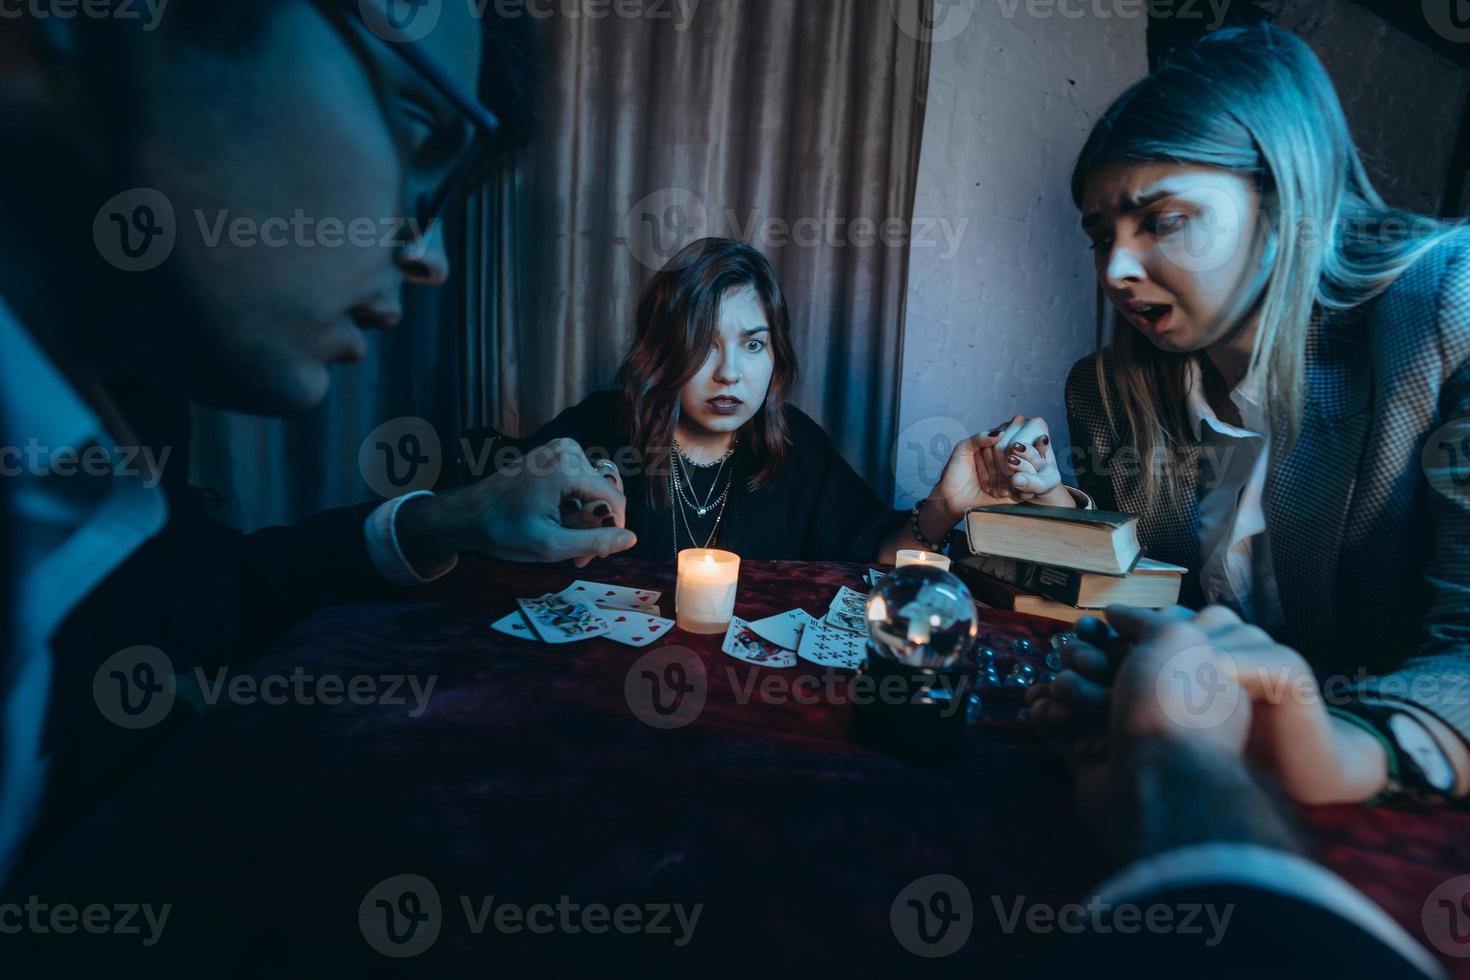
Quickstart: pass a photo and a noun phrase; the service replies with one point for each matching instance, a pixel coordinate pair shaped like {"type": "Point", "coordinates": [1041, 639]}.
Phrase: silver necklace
{"type": "Point", "coordinates": [676, 509]}
{"type": "Point", "coordinates": [714, 462]}
{"type": "Point", "coordinates": [710, 502]}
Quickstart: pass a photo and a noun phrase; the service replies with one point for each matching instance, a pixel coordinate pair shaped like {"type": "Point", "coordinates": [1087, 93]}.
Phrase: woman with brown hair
{"type": "Point", "coordinates": [702, 439]}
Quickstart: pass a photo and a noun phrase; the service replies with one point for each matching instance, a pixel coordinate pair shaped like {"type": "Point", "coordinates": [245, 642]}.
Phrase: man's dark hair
{"type": "Point", "coordinates": [510, 63]}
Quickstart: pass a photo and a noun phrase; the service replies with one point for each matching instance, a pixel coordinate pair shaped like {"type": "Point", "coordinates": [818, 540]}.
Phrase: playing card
{"type": "Point", "coordinates": [783, 629]}
{"type": "Point", "coordinates": [636, 629]}
{"type": "Point", "coordinates": [843, 618]}
{"type": "Point", "coordinates": [514, 625]}
{"type": "Point", "coordinates": [558, 619]}
{"type": "Point", "coordinates": [830, 647]}
{"type": "Point", "coordinates": [850, 599]}
{"type": "Point", "coordinates": [742, 644]}
{"type": "Point", "coordinates": [874, 576]}
{"type": "Point", "coordinates": [611, 596]}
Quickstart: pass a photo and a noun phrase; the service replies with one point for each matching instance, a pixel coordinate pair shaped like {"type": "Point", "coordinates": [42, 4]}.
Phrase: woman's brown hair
{"type": "Point", "coordinates": [678, 316]}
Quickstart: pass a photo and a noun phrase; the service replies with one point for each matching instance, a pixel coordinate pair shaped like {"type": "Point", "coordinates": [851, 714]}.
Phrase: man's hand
{"type": "Point", "coordinates": [1171, 769]}
{"type": "Point", "coordinates": [1315, 757]}
{"type": "Point", "coordinates": [542, 510]}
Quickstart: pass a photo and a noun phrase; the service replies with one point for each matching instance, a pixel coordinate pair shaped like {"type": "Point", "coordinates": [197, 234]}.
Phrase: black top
{"type": "Point", "coordinates": [818, 508]}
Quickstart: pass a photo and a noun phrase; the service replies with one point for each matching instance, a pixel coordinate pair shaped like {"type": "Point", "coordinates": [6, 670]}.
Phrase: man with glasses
{"type": "Point", "coordinates": [116, 138]}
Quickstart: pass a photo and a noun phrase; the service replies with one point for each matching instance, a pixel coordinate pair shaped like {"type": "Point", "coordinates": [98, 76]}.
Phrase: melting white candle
{"type": "Point", "coordinates": [704, 599]}
{"type": "Point", "coordinates": [913, 556]}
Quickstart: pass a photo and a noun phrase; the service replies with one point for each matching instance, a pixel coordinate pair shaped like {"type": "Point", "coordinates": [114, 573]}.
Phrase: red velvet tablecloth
{"type": "Point", "coordinates": [528, 777]}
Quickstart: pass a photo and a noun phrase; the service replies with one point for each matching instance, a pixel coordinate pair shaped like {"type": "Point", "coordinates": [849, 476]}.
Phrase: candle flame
{"type": "Point", "coordinates": [709, 559]}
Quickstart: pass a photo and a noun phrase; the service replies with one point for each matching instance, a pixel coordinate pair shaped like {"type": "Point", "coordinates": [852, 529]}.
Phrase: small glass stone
{"type": "Point", "coordinates": [1023, 648]}
{"type": "Point", "coordinates": [974, 709]}
{"type": "Point", "coordinates": [986, 656]}
{"type": "Point", "coordinates": [1048, 677]}
{"type": "Point", "coordinates": [1053, 660]}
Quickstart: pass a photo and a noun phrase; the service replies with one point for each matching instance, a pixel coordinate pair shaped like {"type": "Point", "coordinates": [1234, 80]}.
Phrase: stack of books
{"type": "Point", "coordinates": [1060, 562]}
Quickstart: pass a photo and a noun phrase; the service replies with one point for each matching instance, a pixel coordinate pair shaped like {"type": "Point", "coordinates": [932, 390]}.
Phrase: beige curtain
{"type": "Point", "coordinates": [791, 124]}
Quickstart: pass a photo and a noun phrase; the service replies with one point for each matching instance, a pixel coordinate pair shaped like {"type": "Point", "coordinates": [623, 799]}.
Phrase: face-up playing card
{"type": "Point", "coordinates": [843, 618]}
{"type": "Point", "coordinates": [558, 619]}
{"type": "Point", "coordinates": [514, 624]}
{"type": "Point", "coordinates": [850, 599]}
{"type": "Point", "coordinates": [830, 647]}
{"type": "Point", "coordinates": [742, 644]}
{"type": "Point", "coordinates": [874, 576]}
{"type": "Point", "coordinates": [611, 596]}
{"type": "Point", "coordinates": [636, 629]}
{"type": "Point", "coordinates": [783, 629]}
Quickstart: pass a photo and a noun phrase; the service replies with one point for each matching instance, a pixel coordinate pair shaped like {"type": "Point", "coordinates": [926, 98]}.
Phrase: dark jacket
{"type": "Point", "coordinates": [1368, 515]}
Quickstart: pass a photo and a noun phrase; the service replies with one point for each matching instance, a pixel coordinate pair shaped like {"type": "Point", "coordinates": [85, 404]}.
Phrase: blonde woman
{"type": "Point", "coordinates": [1284, 399]}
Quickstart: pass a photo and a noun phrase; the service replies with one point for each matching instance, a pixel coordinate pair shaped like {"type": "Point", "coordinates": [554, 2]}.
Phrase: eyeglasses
{"type": "Point", "coordinates": [472, 165]}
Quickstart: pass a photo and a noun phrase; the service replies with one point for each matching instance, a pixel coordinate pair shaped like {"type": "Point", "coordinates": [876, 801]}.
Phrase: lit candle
{"type": "Point", "coordinates": [913, 556]}
{"type": "Point", "coordinates": [704, 600]}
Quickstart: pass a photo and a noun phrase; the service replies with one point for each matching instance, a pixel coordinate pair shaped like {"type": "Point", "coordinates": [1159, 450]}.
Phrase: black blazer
{"type": "Point", "coordinates": [1372, 559]}
{"type": "Point", "coordinates": [1268, 934]}
{"type": "Point", "coordinates": [206, 595]}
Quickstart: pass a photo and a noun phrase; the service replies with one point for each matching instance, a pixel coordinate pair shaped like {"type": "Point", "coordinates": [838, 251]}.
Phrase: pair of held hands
{"type": "Point", "coordinates": [1206, 680]}
{"type": "Point", "coordinates": [1014, 462]}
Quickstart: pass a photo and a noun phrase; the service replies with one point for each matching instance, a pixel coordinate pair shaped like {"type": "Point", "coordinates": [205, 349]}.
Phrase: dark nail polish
{"type": "Point", "coordinates": [993, 432]}
{"type": "Point", "coordinates": [1043, 441]}
{"type": "Point", "coordinates": [1018, 448]}
{"type": "Point", "coordinates": [1014, 460]}
{"type": "Point", "coordinates": [602, 510]}
{"type": "Point", "coordinates": [609, 522]}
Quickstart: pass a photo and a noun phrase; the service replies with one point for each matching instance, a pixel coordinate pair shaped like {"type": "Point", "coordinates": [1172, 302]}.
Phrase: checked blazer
{"type": "Point", "coordinates": [1368, 514]}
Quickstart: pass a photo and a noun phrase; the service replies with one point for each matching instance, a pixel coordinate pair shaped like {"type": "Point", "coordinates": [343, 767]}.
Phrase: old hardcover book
{"type": "Point", "coordinates": [1066, 537]}
{"type": "Point", "coordinates": [1152, 584]}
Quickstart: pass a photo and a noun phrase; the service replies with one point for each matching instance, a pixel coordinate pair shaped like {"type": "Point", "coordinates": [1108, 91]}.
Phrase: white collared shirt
{"type": "Point", "coordinates": [1236, 568]}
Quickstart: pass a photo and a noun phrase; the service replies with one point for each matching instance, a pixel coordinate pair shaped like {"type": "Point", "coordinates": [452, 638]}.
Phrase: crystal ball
{"type": "Point", "coordinates": [921, 616]}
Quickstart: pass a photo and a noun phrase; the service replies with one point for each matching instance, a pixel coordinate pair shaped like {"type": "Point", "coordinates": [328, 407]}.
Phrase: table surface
{"type": "Point", "coordinates": [530, 778]}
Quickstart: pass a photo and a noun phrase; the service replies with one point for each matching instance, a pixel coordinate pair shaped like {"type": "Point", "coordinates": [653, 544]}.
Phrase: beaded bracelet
{"type": "Point", "coordinates": [917, 531]}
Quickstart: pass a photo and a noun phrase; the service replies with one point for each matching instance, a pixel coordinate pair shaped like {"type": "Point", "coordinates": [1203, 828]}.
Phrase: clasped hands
{"type": "Point", "coordinates": [1209, 679]}
{"type": "Point", "coordinates": [1015, 462]}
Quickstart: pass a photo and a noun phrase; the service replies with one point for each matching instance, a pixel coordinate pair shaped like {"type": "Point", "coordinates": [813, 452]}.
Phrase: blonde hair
{"type": "Point", "coordinates": [1254, 101]}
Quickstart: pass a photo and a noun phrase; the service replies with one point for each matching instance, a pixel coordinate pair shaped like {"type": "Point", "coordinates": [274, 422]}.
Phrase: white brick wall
{"type": "Point", "coordinates": [1403, 100]}
{"type": "Point", "coordinates": [993, 327]}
